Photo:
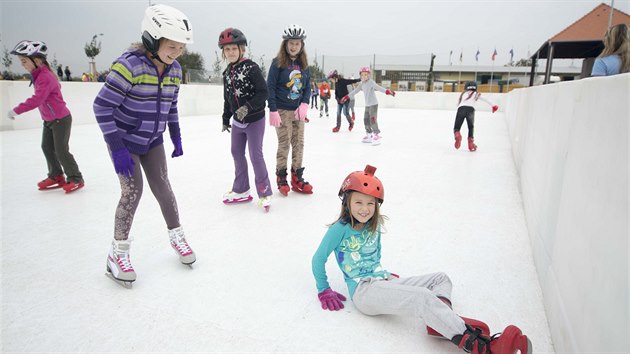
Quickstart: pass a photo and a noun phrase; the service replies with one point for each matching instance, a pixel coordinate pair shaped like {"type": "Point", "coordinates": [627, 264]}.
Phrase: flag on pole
{"type": "Point", "coordinates": [461, 56]}
{"type": "Point", "coordinates": [511, 55]}
{"type": "Point", "coordinates": [450, 62]}
{"type": "Point", "coordinates": [494, 55]}
{"type": "Point", "coordinates": [477, 55]}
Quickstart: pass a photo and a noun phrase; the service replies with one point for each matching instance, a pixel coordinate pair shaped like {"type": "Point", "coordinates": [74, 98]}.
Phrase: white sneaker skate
{"type": "Point", "coordinates": [179, 244]}
{"type": "Point", "coordinates": [367, 138]}
{"type": "Point", "coordinates": [119, 264]}
{"type": "Point", "coordinates": [376, 139]}
{"type": "Point", "coordinates": [233, 198]}
{"type": "Point", "coordinates": [265, 202]}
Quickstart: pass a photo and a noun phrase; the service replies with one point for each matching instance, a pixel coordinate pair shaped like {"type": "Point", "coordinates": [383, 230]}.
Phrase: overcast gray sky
{"type": "Point", "coordinates": [334, 28]}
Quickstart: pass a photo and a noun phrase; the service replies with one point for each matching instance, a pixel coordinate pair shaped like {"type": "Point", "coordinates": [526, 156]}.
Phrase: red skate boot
{"type": "Point", "coordinates": [281, 178]}
{"type": "Point", "coordinates": [72, 186]}
{"type": "Point", "coordinates": [471, 144]}
{"type": "Point", "coordinates": [335, 129]}
{"type": "Point", "coordinates": [52, 183]}
{"type": "Point", "coordinates": [508, 342]}
{"type": "Point", "coordinates": [458, 140]}
{"type": "Point", "coordinates": [485, 330]}
{"type": "Point", "coordinates": [298, 184]}
{"type": "Point", "coordinates": [351, 126]}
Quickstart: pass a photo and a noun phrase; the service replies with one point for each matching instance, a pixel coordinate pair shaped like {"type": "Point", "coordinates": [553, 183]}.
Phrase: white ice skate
{"type": "Point", "coordinates": [119, 266]}
{"type": "Point", "coordinates": [265, 203]}
{"type": "Point", "coordinates": [179, 244]}
{"type": "Point", "coordinates": [377, 139]}
{"type": "Point", "coordinates": [234, 198]}
{"type": "Point", "coordinates": [367, 138]}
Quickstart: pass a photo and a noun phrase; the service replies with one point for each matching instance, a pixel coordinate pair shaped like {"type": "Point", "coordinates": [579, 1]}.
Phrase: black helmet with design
{"type": "Point", "coordinates": [471, 85]}
{"type": "Point", "coordinates": [231, 36]}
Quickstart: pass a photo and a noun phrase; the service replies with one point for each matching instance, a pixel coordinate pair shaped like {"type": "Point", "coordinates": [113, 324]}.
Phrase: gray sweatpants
{"type": "Point", "coordinates": [55, 145]}
{"type": "Point", "coordinates": [414, 296]}
{"type": "Point", "coordinates": [154, 165]}
{"type": "Point", "coordinates": [370, 119]}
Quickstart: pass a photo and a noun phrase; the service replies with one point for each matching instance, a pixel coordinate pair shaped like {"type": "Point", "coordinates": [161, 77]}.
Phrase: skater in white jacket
{"type": "Point", "coordinates": [466, 110]}
{"type": "Point", "coordinates": [368, 86]}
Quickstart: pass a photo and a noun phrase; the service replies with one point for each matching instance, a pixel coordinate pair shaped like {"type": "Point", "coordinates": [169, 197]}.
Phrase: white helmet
{"type": "Point", "coordinates": [162, 21]}
{"type": "Point", "coordinates": [294, 32]}
{"type": "Point", "coordinates": [31, 49]}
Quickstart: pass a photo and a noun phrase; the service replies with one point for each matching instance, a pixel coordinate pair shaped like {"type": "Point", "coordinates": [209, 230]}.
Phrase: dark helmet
{"type": "Point", "coordinates": [364, 182]}
{"type": "Point", "coordinates": [231, 36]}
{"type": "Point", "coordinates": [333, 74]}
{"type": "Point", "coordinates": [471, 85]}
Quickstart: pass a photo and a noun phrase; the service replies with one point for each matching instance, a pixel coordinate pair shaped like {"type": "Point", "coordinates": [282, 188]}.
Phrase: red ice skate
{"type": "Point", "coordinates": [458, 140]}
{"type": "Point", "coordinates": [508, 342]}
{"type": "Point", "coordinates": [471, 144]}
{"type": "Point", "coordinates": [298, 184]}
{"type": "Point", "coordinates": [52, 183]}
{"type": "Point", "coordinates": [281, 178]}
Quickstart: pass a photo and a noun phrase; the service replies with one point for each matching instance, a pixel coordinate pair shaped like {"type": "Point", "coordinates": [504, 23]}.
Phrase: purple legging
{"type": "Point", "coordinates": [252, 136]}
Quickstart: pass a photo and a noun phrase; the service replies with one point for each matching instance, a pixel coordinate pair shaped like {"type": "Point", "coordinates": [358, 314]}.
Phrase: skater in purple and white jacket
{"type": "Point", "coordinates": [244, 94]}
{"type": "Point", "coordinates": [466, 110]}
{"type": "Point", "coordinates": [133, 109]}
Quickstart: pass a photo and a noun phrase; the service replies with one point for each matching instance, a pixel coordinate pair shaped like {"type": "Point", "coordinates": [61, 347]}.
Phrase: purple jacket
{"type": "Point", "coordinates": [135, 105]}
{"type": "Point", "coordinates": [47, 96]}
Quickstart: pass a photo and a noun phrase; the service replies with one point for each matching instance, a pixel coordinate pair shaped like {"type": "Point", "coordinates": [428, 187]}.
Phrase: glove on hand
{"type": "Point", "coordinates": [123, 163]}
{"type": "Point", "coordinates": [177, 143]}
{"type": "Point", "coordinates": [345, 99]}
{"type": "Point", "coordinates": [241, 112]}
{"type": "Point", "coordinates": [390, 92]}
{"type": "Point", "coordinates": [226, 127]}
{"type": "Point", "coordinates": [11, 114]}
{"type": "Point", "coordinates": [300, 112]}
{"type": "Point", "coordinates": [331, 300]}
{"type": "Point", "coordinates": [495, 108]}
{"type": "Point", "coordinates": [274, 119]}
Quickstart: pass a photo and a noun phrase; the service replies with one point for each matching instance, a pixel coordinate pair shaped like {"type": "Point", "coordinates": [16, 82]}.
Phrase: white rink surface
{"type": "Point", "coordinates": [251, 289]}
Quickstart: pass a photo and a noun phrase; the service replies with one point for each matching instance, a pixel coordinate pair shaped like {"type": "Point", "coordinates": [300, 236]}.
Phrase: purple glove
{"type": "Point", "coordinates": [331, 300]}
{"type": "Point", "coordinates": [274, 119]}
{"type": "Point", "coordinates": [177, 143]}
{"type": "Point", "coordinates": [123, 163]}
{"type": "Point", "coordinates": [300, 112]}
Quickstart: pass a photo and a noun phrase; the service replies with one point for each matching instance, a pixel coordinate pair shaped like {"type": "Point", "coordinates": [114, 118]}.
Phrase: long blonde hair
{"type": "Point", "coordinates": [346, 217]}
{"type": "Point", "coordinates": [617, 42]}
{"type": "Point", "coordinates": [284, 59]}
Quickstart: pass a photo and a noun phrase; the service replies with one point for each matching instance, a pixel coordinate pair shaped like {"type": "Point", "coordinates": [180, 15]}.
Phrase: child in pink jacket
{"type": "Point", "coordinates": [56, 116]}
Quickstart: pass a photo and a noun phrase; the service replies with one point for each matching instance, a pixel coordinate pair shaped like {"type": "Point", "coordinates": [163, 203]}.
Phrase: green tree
{"type": "Point", "coordinates": [193, 69]}
{"type": "Point", "coordinates": [315, 70]}
{"type": "Point", "coordinates": [7, 59]}
{"type": "Point", "coordinates": [93, 48]}
{"type": "Point", "coordinates": [523, 62]}
{"type": "Point", "coordinates": [216, 66]}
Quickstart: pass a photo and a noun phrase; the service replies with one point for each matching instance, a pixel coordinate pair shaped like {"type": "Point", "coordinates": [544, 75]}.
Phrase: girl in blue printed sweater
{"type": "Point", "coordinates": [355, 238]}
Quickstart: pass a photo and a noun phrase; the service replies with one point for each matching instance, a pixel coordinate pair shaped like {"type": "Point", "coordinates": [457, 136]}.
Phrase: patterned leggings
{"type": "Point", "coordinates": [154, 165]}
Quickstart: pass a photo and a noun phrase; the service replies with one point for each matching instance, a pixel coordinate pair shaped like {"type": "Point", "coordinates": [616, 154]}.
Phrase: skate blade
{"type": "Point", "coordinates": [301, 191]}
{"type": "Point", "coordinates": [48, 188]}
{"type": "Point", "coordinates": [73, 189]}
{"type": "Point", "coordinates": [238, 201]}
{"type": "Point", "coordinates": [124, 283]}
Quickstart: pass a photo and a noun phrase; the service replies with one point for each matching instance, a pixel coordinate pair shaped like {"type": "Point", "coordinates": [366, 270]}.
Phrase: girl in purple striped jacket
{"type": "Point", "coordinates": [133, 109]}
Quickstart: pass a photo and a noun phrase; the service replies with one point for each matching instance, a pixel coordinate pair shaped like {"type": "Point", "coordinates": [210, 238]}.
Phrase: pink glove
{"type": "Point", "coordinates": [495, 108]}
{"type": "Point", "coordinates": [390, 92]}
{"type": "Point", "coordinates": [331, 300]}
{"type": "Point", "coordinates": [345, 99]}
{"type": "Point", "coordinates": [274, 119]}
{"type": "Point", "coordinates": [300, 112]}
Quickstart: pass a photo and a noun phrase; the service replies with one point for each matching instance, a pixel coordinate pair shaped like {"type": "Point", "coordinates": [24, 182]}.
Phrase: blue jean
{"type": "Point", "coordinates": [345, 108]}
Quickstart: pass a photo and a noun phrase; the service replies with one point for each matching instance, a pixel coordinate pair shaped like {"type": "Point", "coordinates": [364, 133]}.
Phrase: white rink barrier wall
{"type": "Point", "coordinates": [195, 100]}
{"type": "Point", "coordinates": [570, 146]}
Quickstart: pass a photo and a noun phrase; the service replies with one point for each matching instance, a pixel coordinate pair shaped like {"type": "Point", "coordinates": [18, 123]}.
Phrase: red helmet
{"type": "Point", "coordinates": [364, 182]}
{"type": "Point", "coordinates": [365, 69]}
{"type": "Point", "coordinates": [231, 36]}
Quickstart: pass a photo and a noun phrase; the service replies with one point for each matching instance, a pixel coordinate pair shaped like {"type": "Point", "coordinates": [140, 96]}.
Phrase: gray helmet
{"type": "Point", "coordinates": [31, 49]}
{"type": "Point", "coordinates": [294, 32]}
